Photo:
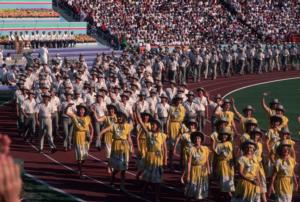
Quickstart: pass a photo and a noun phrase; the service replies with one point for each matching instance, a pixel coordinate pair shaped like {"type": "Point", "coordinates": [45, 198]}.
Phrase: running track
{"type": "Point", "coordinates": [59, 169]}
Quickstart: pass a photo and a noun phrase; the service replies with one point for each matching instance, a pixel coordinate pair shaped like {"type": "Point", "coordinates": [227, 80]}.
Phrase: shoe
{"type": "Point", "coordinates": [40, 151]}
{"type": "Point", "coordinates": [99, 148]}
{"type": "Point", "coordinates": [65, 149]}
{"type": "Point", "coordinates": [53, 150]}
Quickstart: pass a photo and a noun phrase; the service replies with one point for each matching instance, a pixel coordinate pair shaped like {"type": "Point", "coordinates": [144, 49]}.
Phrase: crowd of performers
{"type": "Point", "coordinates": [240, 163]}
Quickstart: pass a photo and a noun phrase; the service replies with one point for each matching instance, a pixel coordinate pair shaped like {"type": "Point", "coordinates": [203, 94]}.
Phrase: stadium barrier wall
{"type": "Point", "coordinates": [76, 27]}
{"type": "Point", "coordinates": [22, 4]}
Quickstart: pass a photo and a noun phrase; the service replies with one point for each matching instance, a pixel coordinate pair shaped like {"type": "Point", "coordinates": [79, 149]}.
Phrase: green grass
{"type": "Point", "coordinates": [35, 191]}
{"type": "Point", "coordinates": [288, 93]}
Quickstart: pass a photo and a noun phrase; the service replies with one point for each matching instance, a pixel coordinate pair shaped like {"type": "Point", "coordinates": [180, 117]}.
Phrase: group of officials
{"type": "Point", "coordinates": [37, 39]}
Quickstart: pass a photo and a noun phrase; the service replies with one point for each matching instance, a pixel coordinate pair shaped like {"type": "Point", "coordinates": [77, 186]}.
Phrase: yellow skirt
{"type": "Point", "coordinates": [119, 156]}
{"type": "Point", "coordinates": [198, 187]}
{"type": "Point", "coordinates": [226, 176]}
{"type": "Point", "coordinates": [153, 167]}
{"type": "Point", "coordinates": [140, 163]}
{"type": "Point", "coordinates": [108, 138]}
{"type": "Point", "coordinates": [81, 146]}
{"type": "Point", "coordinates": [246, 191]}
{"type": "Point", "coordinates": [284, 188]}
{"type": "Point", "coordinates": [173, 132]}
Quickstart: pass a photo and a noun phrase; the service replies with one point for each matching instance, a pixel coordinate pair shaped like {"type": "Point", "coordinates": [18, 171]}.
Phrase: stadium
{"type": "Point", "coordinates": [140, 100]}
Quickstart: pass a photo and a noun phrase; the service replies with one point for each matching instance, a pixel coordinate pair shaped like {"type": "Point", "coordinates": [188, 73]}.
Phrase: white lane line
{"type": "Point", "coordinates": [133, 174]}
{"type": "Point", "coordinates": [257, 84]}
{"type": "Point", "coordinates": [53, 188]}
{"type": "Point", "coordinates": [90, 178]}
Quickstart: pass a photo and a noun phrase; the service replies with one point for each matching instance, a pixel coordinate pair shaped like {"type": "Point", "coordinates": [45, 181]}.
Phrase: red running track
{"type": "Point", "coordinates": [59, 169]}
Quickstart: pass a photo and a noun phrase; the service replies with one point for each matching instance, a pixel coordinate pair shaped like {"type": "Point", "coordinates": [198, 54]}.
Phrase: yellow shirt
{"type": "Point", "coordinates": [155, 141]}
{"type": "Point", "coordinates": [285, 168]}
{"type": "Point", "coordinates": [258, 152]}
{"type": "Point", "coordinates": [140, 131]}
{"type": "Point", "coordinates": [81, 124]}
{"type": "Point", "coordinates": [230, 117]}
{"type": "Point", "coordinates": [121, 131]}
{"type": "Point", "coordinates": [199, 155]}
{"type": "Point", "coordinates": [285, 121]}
{"type": "Point", "coordinates": [273, 136]}
{"type": "Point", "coordinates": [109, 120]}
{"type": "Point", "coordinates": [244, 120]}
{"type": "Point", "coordinates": [249, 167]}
{"type": "Point", "coordinates": [224, 150]}
{"type": "Point", "coordinates": [177, 113]}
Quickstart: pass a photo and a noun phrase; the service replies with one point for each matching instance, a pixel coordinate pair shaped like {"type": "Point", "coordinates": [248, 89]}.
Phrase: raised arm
{"type": "Point", "coordinates": [236, 110]}
{"type": "Point", "coordinates": [263, 103]}
{"type": "Point", "coordinates": [139, 120]}
{"type": "Point", "coordinates": [98, 118]}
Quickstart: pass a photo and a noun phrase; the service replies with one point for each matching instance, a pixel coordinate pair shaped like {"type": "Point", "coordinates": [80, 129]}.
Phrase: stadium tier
{"type": "Point", "coordinates": [25, 4]}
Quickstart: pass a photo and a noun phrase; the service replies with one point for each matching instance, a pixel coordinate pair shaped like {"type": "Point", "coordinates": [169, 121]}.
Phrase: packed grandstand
{"type": "Point", "coordinates": [137, 84]}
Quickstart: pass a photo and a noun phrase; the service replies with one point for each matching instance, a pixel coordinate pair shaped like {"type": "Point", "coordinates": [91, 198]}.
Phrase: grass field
{"type": "Point", "coordinates": [288, 93]}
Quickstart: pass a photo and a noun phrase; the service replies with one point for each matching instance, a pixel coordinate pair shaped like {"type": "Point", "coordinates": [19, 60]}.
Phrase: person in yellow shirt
{"type": "Point", "coordinates": [249, 126]}
{"type": "Point", "coordinates": [220, 124]}
{"type": "Point", "coordinates": [270, 110]}
{"type": "Point", "coordinates": [198, 169]}
{"type": "Point", "coordinates": [226, 112]}
{"type": "Point", "coordinates": [248, 187]}
{"type": "Point", "coordinates": [83, 134]}
{"type": "Point", "coordinates": [272, 136]}
{"type": "Point", "coordinates": [107, 120]}
{"type": "Point", "coordinates": [121, 146]}
{"type": "Point", "coordinates": [256, 135]}
{"type": "Point", "coordinates": [186, 145]}
{"type": "Point", "coordinates": [156, 155]}
{"type": "Point", "coordinates": [284, 180]}
{"type": "Point", "coordinates": [285, 135]}
{"type": "Point", "coordinates": [246, 116]}
{"type": "Point", "coordinates": [141, 142]}
{"type": "Point", "coordinates": [224, 157]}
{"type": "Point", "coordinates": [279, 110]}
{"type": "Point", "coordinates": [174, 123]}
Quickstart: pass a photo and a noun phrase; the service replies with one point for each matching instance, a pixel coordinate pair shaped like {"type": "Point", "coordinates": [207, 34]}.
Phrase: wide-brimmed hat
{"type": "Point", "coordinates": [192, 121]}
{"type": "Point", "coordinates": [100, 94]}
{"type": "Point", "coordinates": [146, 113]}
{"type": "Point", "coordinates": [251, 122]}
{"type": "Point", "coordinates": [280, 108]}
{"type": "Point", "coordinates": [285, 130]}
{"type": "Point", "coordinates": [190, 93]}
{"type": "Point", "coordinates": [274, 101]}
{"type": "Point", "coordinates": [109, 106]}
{"type": "Point", "coordinates": [122, 113]}
{"type": "Point", "coordinates": [284, 143]}
{"type": "Point", "coordinates": [248, 142]}
{"type": "Point", "coordinates": [31, 92]}
{"type": "Point", "coordinates": [47, 94]}
{"type": "Point", "coordinates": [225, 131]}
{"type": "Point", "coordinates": [156, 121]}
{"type": "Point", "coordinates": [124, 95]}
{"type": "Point", "coordinates": [81, 105]}
{"type": "Point", "coordinates": [196, 134]}
{"type": "Point", "coordinates": [178, 96]}
{"type": "Point", "coordinates": [256, 131]}
{"type": "Point", "coordinates": [200, 89]}
{"type": "Point", "coordinates": [142, 93]}
{"type": "Point", "coordinates": [248, 108]}
{"type": "Point", "coordinates": [164, 95]}
{"type": "Point", "coordinates": [276, 118]}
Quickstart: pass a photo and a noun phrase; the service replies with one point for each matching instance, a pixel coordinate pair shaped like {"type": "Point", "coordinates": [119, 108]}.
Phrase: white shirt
{"type": "Point", "coordinates": [100, 108]}
{"type": "Point", "coordinates": [202, 102]}
{"type": "Point", "coordinates": [55, 102]}
{"type": "Point", "coordinates": [162, 110]}
{"type": "Point", "coordinates": [44, 111]}
{"type": "Point", "coordinates": [28, 106]}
